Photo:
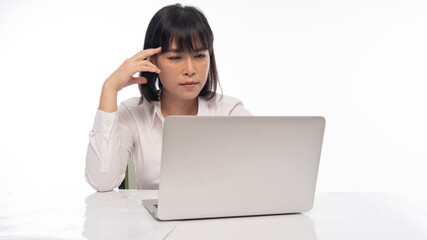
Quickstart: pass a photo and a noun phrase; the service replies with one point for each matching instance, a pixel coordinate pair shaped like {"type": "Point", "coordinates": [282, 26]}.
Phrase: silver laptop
{"type": "Point", "coordinates": [237, 166]}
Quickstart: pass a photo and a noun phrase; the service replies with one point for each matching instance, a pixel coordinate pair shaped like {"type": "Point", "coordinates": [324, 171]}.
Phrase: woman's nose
{"type": "Point", "coordinates": [189, 69]}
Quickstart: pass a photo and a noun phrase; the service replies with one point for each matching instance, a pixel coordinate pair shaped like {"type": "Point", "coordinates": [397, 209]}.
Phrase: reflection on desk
{"type": "Point", "coordinates": [120, 215]}
{"type": "Point", "coordinates": [139, 223]}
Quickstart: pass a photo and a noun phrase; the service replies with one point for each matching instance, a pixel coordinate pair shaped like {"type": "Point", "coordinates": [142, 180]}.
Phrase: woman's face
{"type": "Point", "coordinates": [183, 74]}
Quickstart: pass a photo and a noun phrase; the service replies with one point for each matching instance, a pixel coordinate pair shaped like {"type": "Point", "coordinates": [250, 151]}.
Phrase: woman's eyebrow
{"type": "Point", "coordinates": [174, 50]}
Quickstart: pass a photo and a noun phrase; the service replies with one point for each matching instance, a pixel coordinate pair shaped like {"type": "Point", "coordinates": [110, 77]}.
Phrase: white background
{"type": "Point", "coordinates": [360, 64]}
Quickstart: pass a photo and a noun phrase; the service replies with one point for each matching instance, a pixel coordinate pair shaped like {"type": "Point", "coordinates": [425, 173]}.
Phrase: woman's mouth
{"type": "Point", "coordinates": [189, 84]}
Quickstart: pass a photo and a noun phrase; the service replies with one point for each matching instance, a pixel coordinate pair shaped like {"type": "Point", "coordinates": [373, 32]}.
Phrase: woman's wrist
{"type": "Point", "coordinates": [109, 86]}
{"type": "Point", "coordinates": [108, 101]}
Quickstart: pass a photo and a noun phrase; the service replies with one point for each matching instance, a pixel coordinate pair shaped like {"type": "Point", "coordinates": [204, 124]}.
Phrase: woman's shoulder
{"type": "Point", "coordinates": [221, 105]}
{"type": "Point", "coordinates": [134, 105]}
{"type": "Point", "coordinates": [132, 102]}
{"type": "Point", "coordinates": [140, 112]}
{"type": "Point", "coordinates": [223, 100]}
{"type": "Point", "coordinates": [220, 100]}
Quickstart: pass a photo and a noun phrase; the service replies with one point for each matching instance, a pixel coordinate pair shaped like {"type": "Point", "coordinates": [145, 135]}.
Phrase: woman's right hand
{"type": "Point", "coordinates": [140, 62]}
{"type": "Point", "coordinates": [123, 77]}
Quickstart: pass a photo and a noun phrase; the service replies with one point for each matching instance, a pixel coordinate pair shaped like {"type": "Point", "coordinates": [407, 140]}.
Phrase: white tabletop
{"type": "Point", "coordinates": [120, 215]}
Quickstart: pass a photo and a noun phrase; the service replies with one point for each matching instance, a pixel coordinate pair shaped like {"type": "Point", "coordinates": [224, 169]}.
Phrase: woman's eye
{"type": "Point", "coordinates": [200, 55]}
{"type": "Point", "coordinates": [174, 57]}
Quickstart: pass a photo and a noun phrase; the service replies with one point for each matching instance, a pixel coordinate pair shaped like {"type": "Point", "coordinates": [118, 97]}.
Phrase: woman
{"type": "Point", "coordinates": [178, 76]}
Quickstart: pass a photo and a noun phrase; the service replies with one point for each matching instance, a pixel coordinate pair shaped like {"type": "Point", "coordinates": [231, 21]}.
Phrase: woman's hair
{"type": "Point", "coordinates": [189, 29]}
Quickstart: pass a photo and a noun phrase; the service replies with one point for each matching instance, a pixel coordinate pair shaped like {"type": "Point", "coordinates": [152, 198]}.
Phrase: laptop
{"type": "Point", "coordinates": [215, 166]}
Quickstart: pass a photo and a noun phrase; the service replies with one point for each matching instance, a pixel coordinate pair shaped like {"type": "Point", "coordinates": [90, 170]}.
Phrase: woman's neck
{"type": "Point", "coordinates": [173, 106]}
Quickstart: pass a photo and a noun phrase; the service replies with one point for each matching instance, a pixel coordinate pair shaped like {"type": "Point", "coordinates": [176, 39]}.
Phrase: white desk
{"type": "Point", "coordinates": [120, 215]}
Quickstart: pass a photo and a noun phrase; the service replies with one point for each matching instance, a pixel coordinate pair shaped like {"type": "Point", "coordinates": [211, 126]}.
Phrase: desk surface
{"type": "Point", "coordinates": [120, 215]}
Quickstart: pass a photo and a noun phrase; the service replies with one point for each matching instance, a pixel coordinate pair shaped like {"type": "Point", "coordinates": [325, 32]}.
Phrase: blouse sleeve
{"type": "Point", "coordinates": [111, 142]}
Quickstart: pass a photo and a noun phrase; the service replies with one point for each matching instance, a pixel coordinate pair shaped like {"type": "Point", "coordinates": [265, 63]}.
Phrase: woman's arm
{"type": "Point", "coordinates": [111, 140]}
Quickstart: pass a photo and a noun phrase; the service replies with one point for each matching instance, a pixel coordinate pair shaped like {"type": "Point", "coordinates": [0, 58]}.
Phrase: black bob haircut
{"type": "Point", "coordinates": [189, 29]}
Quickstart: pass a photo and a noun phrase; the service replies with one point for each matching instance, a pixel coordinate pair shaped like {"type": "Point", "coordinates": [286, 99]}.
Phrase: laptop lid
{"type": "Point", "coordinates": [237, 166]}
